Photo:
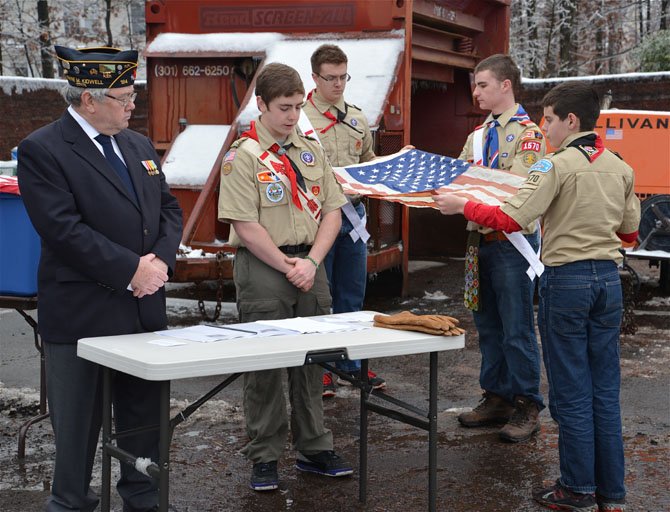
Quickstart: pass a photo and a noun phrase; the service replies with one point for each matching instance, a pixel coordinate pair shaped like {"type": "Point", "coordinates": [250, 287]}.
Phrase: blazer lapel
{"type": "Point", "coordinates": [85, 148]}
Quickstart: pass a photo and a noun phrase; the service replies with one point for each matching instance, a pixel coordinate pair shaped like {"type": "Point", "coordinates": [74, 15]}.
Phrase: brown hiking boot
{"type": "Point", "coordinates": [523, 423]}
{"type": "Point", "coordinates": [492, 410]}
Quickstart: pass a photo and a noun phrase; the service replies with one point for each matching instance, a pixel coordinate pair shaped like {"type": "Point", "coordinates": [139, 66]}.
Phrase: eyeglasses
{"type": "Point", "coordinates": [342, 78]}
{"type": "Point", "coordinates": [125, 100]}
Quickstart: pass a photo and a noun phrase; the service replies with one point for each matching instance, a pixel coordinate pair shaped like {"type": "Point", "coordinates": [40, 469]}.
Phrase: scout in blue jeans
{"type": "Point", "coordinates": [585, 195]}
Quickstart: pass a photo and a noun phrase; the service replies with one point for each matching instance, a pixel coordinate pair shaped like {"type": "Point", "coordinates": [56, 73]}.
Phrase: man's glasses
{"type": "Point", "coordinates": [124, 100]}
{"type": "Point", "coordinates": [342, 78]}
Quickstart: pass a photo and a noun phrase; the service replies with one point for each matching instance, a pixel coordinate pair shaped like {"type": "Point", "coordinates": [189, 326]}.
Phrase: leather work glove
{"type": "Point", "coordinates": [440, 325]}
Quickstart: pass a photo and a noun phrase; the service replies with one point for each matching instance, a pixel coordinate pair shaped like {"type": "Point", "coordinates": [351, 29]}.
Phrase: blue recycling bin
{"type": "Point", "coordinates": [19, 247]}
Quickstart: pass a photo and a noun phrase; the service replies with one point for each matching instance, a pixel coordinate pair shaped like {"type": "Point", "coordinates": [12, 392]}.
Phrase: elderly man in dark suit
{"type": "Point", "coordinates": [110, 230]}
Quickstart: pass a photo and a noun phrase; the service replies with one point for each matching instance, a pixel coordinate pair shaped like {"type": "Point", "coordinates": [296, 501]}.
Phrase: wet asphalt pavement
{"type": "Point", "coordinates": [476, 471]}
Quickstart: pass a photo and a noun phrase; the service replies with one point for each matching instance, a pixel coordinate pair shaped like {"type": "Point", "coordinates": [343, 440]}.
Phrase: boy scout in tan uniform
{"type": "Point", "coordinates": [585, 196]}
{"type": "Point", "coordinates": [282, 234]}
{"type": "Point", "coordinates": [495, 271]}
{"type": "Point", "coordinates": [343, 131]}
{"type": "Point", "coordinates": [346, 142]}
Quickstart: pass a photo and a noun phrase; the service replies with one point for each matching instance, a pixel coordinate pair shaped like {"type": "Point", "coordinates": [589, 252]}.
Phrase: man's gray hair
{"type": "Point", "coordinates": [73, 94]}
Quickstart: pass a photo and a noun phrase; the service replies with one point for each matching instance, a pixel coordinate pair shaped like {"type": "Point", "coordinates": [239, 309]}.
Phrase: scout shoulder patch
{"type": "Point", "coordinates": [531, 134]}
{"type": "Point", "coordinates": [543, 165]}
{"type": "Point", "coordinates": [227, 166]}
{"type": "Point", "coordinates": [531, 145]}
{"type": "Point", "coordinates": [529, 159]}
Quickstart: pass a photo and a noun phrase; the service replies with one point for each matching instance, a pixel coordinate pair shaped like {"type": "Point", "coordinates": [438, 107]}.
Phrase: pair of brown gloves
{"type": "Point", "coordinates": [432, 324]}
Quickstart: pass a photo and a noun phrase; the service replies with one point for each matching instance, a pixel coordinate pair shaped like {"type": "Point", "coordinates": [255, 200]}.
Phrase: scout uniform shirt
{"type": "Point", "coordinates": [521, 144]}
{"type": "Point", "coordinates": [585, 194]}
{"type": "Point", "coordinates": [249, 191]}
{"type": "Point", "coordinates": [346, 142]}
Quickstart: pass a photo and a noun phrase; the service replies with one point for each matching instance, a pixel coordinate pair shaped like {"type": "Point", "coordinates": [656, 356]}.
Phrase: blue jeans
{"type": "Point", "coordinates": [510, 354]}
{"type": "Point", "coordinates": [346, 265]}
{"type": "Point", "coordinates": [580, 314]}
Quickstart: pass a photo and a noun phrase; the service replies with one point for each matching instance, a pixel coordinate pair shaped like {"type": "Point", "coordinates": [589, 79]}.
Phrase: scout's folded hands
{"type": "Point", "coordinates": [432, 324]}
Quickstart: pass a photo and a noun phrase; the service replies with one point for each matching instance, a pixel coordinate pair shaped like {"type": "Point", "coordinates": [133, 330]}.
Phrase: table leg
{"type": "Point", "coordinates": [106, 438]}
{"type": "Point", "coordinates": [363, 444]}
{"type": "Point", "coordinates": [164, 448]}
{"type": "Point", "coordinates": [23, 430]}
{"type": "Point", "coordinates": [432, 434]}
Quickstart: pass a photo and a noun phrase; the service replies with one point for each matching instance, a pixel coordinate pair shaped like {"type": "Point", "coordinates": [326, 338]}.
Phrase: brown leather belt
{"type": "Point", "coordinates": [494, 236]}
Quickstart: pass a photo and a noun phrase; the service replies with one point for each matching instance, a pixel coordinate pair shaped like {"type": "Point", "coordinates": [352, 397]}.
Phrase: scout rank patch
{"type": "Point", "coordinates": [274, 192]}
{"type": "Point", "coordinates": [307, 158]}
{"type": "Point", "coordinates": [151, 167]}
{"type": "Point", "coordinates": [227, 166]}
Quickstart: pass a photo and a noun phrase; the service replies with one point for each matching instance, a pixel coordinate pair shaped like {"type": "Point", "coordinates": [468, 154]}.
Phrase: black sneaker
{"type": "Point", "coordinates": [558, 497]}
{"type": "Point", "coordinates": [264, 476]}
{"type": "Point", "coordinates": [329, 390]}
{"type": "Point", "coordinates": [610, 504]}
{"type": "Point", "coordinates": [326, 463]}
{"type": "Point", "coordinates": [375, 381]}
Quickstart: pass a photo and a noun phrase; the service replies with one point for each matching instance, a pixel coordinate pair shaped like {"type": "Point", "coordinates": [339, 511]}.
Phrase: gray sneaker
{"type": "Point", "coordinates": [264, 476]}
{"type": "Point", "coordinates": [492, 410]}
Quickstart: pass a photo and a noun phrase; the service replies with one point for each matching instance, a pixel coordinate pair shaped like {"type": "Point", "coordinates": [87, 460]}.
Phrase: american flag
{"type": "Point", "coordinates": [409, 177]}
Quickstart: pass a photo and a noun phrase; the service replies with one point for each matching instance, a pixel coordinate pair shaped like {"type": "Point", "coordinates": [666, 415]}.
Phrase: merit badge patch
{"type": "Point", "coordinates": [354, 122]}
{"type": "Point", "coordinates": [316, 189]}
{"type": "Point", "coordinates": [307, 158]}
{"type": "Point", "coordinates": [274, 192]}
{"type": "Point", "coordinates": [151, 167]}
{"type": "Point", "coordinates": [509, 138]}
{"type": "Point", "coordinates": [531, 145]}
{"type": "Point", "coordinates": [529, 159]}
{"type": "Point", "coordinates": [543, 165]}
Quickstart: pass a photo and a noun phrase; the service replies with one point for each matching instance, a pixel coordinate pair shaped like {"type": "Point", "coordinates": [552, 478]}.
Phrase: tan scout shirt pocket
{"type": "Point", "coordinates": [355, 145]}
{"type": "Point", "coordinates": [273, 194]}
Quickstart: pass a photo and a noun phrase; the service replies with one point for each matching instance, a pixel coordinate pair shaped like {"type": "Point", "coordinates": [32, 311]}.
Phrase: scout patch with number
{"type": "Point", "coordinates": [529, 159]}
{"type": "Point", "coordinates": [266, 177]}
{"type": "Point", "coordinates": [509, 138]}
{"type": "Point", "coordinates": [274, 192]}
{"type": "Point", "coordinates": [307, 158]}
{"type": "Point", "coordinates": [354, 122]}
{"type": "Point", "coordinates": [531, 145]}
{"type": "Point", "coordinates": [316, 189]}
{"type": "Point", "coordinates": [543, 165]}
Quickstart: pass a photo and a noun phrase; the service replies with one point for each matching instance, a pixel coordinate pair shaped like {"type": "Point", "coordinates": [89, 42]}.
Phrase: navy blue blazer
{"type": "Point", "coordinates": [93, 232]}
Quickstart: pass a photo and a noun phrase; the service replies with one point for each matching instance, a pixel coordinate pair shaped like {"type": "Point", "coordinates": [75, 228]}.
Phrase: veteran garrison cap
{"type": "Point", "coordinates": [99, 67]}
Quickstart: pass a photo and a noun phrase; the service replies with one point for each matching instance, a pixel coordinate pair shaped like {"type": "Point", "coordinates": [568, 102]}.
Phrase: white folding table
{"type": "Point", "coordinates": [134, 355]}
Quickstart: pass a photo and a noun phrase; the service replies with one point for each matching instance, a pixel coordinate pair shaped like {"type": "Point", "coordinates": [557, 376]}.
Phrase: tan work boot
{"type": "Point", "coordinates": [523, 423]}
{"type": "Point", "coordinates": [492, 410]}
